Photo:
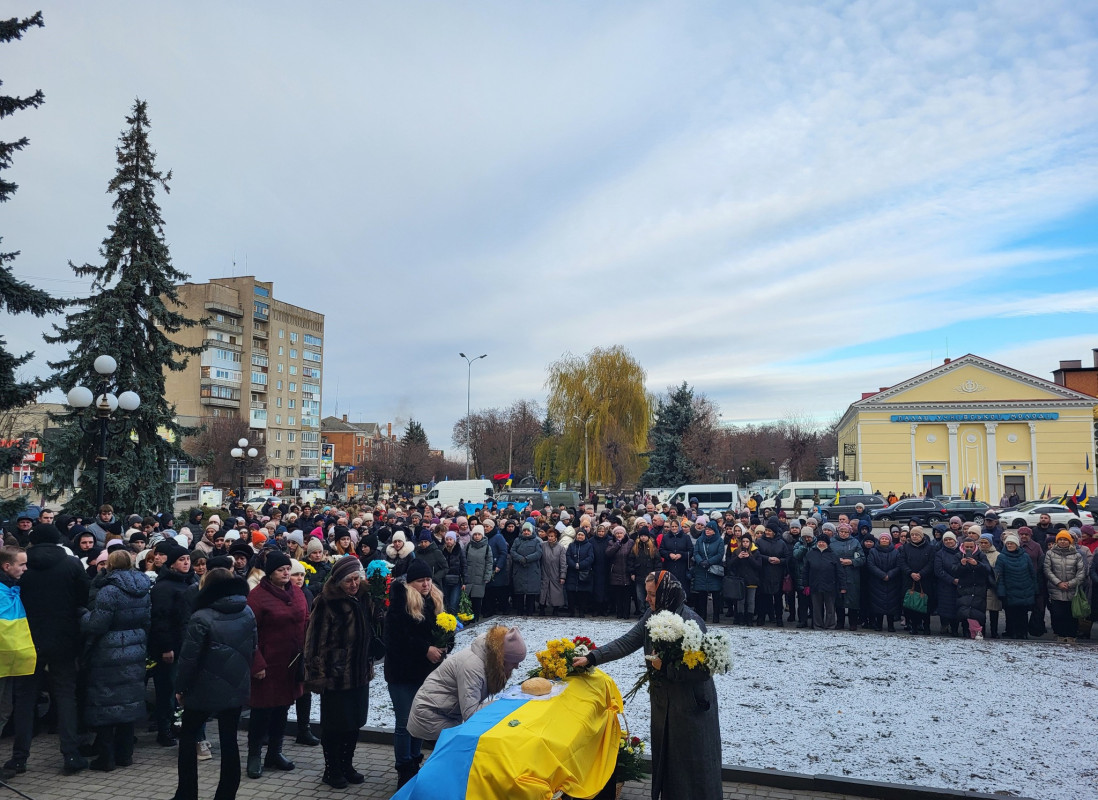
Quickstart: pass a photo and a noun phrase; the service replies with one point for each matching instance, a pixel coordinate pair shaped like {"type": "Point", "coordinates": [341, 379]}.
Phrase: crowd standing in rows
{"type": "Point", "coordinates": [260, 608]}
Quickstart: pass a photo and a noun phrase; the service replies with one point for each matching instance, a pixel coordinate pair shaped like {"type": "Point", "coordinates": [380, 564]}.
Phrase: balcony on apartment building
{"type": "Point", "coordinates": [228, 326]}
{"type": "Point", "coordinates": [219, 402]}
{"type": "Point", "coordinates": [224, 308]}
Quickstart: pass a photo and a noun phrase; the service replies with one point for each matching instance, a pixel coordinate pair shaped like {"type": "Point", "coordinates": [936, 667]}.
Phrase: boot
{"type": "Point", "coordinates": [305, 736]}
{"type": "Point", "coordinates": [332, 745]}
{"type": "Point", "coordinates": [275, 759]}
{"type": "Point", "coordinates": [255, 760]}
{"type": "Point", "coordinates": [405, 772]}
{"type": "Point", "coordinates": [104, 750]}
{"type": "Point", "coordinates": [350, 742]}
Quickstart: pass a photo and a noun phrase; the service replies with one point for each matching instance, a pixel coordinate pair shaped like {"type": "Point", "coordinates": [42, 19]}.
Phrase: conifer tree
{"type": "Point", "coordinates": [131, 313]}
{"type": "Point", "coordinates": [668, 464]}
{"type": "Point", "coordinates": [16, 296]}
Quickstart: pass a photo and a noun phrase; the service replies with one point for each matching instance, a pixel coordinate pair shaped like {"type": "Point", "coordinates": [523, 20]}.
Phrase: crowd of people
{"type": "Point", "coordinates": [258, 608]}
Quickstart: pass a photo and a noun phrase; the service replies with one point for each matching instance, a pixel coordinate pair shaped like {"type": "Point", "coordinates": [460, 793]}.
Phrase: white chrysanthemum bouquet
{"type": "Point", "coordinates": [681, 650]}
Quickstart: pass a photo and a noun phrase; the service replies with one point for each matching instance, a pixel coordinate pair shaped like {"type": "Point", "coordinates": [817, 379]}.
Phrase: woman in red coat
{"type": "Point", "coordinates": [281, 615]}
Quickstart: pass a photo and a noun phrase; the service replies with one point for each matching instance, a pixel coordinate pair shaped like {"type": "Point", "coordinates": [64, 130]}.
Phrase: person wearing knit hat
{"type": "Point", "coordinates": [443, 701]}
{"type": "Point", "coordinates": [1016, 584]}
{"type": "Point", "coordinates": [275, 560]}
{"type": "Point", "coordinates": [417, 570]}
{"type": "Point", "coordinates": [1064, 572]}
{"type": "Point", "coordinates": [949, 536]}
{"type": "Point", "coordinates": [339, 657]}
{"type": "Point", "coordinates": [219, 562]}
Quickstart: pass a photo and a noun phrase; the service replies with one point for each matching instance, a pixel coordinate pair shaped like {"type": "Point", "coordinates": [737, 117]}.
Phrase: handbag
{"type": "Point", "coordinates": [716, 570]}
{"type": "Point", "coordinates": [583, 575]}
{"type": "Point", "coordinates": [1080, 606]}
{"type": "Point", "coordinates": [915, 600]}
{"type": "Point", "coordinates": [735, 588]}
{"type": "Point", "coordinates": [452, 580]}
{"type": "Point", "coordinates": [787, 584]}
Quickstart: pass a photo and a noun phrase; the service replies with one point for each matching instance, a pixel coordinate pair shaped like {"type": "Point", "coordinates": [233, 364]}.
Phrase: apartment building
{"type": "Point", "coordinates": [263, 363]}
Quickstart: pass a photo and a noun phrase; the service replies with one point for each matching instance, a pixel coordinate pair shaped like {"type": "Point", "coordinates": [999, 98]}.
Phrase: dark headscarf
{"type": "Point", "coordinates": [670, 595]}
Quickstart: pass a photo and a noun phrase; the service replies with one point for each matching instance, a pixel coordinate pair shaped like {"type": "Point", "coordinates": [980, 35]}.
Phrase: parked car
{"type": "Point", "coordinates": [967, 510]}
{"type": "Point", "coordinates": [924, 512]}
{"type": "Point", "coordinates": [1029, 513]}
{"type": "Point", "coordinates": [570, 499]}
{"type": "Point", "coordinates": [846, 505]}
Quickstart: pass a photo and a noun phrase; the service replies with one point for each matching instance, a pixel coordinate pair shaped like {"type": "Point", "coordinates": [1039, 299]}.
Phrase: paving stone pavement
{"type": "Point", "coordinates": [152, 776]}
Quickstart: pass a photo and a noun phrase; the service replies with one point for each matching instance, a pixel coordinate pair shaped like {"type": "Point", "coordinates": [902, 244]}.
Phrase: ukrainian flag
{"type": "Point", "coordinates": [528, 749]}
{"type": "Point", "coordinates": [17, 654]}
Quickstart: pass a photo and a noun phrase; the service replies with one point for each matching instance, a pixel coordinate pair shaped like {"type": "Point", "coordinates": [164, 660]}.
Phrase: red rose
{"type": "Point", "coordinates": [635, 741]}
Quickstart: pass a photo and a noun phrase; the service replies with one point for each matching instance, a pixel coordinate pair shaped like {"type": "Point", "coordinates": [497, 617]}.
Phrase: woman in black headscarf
{"type": "Point", "coordinates": [686, 736]}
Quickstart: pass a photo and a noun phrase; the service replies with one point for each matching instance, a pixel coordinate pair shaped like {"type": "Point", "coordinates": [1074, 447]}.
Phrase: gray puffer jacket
{"type": "Point", "coordinates": [116, 629]}
{"type": "Point", "coordinates": [215, 661]}
{"type": "Point", "coordinates": [1063, 565]}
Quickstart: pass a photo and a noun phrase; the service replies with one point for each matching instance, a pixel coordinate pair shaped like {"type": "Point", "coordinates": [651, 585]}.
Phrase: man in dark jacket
{"type": "Point", "coordinates": [430, 554]}
{"type": "Point", "coordinates": [824, 580]}
{"type": "Point", "coordinates": [170, 610]}
{"type": "Point", "coordinates": [54, 591]}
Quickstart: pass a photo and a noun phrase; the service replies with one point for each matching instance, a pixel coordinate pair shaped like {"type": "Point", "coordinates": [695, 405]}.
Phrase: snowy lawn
{"type": "Point", "coordinates": [992, 716]}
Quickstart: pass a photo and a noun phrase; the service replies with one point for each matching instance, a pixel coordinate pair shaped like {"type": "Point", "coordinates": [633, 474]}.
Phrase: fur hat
{"type": "Point", "coordinates": [239, 548]}
{"type": "Point", "coordinates": [416, 570]}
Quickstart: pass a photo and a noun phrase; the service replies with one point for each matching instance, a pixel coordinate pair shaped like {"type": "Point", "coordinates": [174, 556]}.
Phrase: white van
{"type": "Point", "coordinates": [814, 491]}
{"type": "Point", "coordinates": [449, 493]}
{"type": "Point", "coordinates": [711, 496]}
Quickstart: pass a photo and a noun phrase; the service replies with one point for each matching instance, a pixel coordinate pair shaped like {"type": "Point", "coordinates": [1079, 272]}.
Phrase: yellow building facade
{"type": "Point", "coordinates": [971, 423]}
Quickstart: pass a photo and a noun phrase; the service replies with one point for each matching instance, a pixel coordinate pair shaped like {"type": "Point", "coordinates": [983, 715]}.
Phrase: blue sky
{"type": "Point", "coordinates": [784, 204]}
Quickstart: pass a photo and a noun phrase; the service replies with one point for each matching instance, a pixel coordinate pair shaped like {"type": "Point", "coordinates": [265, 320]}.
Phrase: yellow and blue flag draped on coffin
{"type": "Point", "coordinates": [17, 655]}
{"type": "Point", "coordinates": [528, 749]}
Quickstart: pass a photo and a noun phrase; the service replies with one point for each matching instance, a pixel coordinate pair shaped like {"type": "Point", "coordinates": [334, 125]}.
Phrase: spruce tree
{"type": "Point", "coordinates": [667, 461]}
{"type": "Point", "coordinates": [16, 296]}
{"type": "Point", "coordinates": [130, 314]}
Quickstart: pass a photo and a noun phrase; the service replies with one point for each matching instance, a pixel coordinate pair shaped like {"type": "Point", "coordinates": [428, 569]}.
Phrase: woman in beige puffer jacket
{"type": "Point", "coordinates": [1064, 571]}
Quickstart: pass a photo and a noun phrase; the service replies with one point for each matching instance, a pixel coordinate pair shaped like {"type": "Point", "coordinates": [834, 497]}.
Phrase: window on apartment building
{"type": "Point", "coordinates": [281, 350]}
{"type": "Point", "coordinates": [292, 403]}
{"type": "Point", "coordinates": [278, 436]}
{"type": "Point", "coordinates": [293, 386]}
{"type": "Point", "coordinates": [279, 386]}
{"type": "Point", "coordinates": [310, 453]}
{"type": "Point", "coordinates": [310, 436]}
{"type": "Point", "coordinates": [293, 337]}
{"type": "Point", "coordinates": [278, 454]}
{"type": "Point", "coordinates": [259, 378]}
{"type": "Point", "coordinates": [315, 341]}
{"type": "Point", "coordinates": [289, 455]}
{"type": "Point", "coordinates": [310, 355]}
{"type": "Point", "coordinates": [278, 419]}
{"type": "Point", "coordinates": [293, 353]}
{"type": "Point", "coordinates": [281, 334]}
{"type": "Point", "coordinates": [278, 402]}
{"type": "Point", "coordinates": [293, 369]}
{"type": "Point", "coordinates": [291, 420]}
{"type": "Point", "coordinates": [277, 471]}
{"type": "Point", "coordinates": [280, 369]}
{"type": "Point", "coordinates": [291, 436]}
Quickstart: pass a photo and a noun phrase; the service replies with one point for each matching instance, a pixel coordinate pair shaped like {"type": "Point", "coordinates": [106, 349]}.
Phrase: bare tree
{"type": "Point", "coordinates": [213, 445]}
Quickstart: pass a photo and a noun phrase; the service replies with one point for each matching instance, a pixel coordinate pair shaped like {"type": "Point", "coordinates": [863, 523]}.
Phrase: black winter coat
{"type": "Point", "coordinates": [618, 555]}
{"type": "Point", "coordinates": [946, 563]}
{"type": "Point", "coordinates": [581, 558]}
{"type": "Point", "coordinates": [972, 589]}
{"type": "Point", "coordinates": [823, 572]}
{"type": "Point", "coordinates": [600, 571]}
{"type": "Point", "coordinates": [406, 640]}
{"type": "Point", "coordinates": [750, 568]}
{"type": "Point", "coordinates": [455, 563]}
{"type": "Point", "coordinates": [772, 574]}
{"type": "Point", "coordinates": [526, 555]}
{"type": "Point", "coordinates": [920, 559]}
{"type": "Point", "coordinates": [54, 590]}
{"type": "Point", "coordinates": [432, 556]}
{"type": "Point", "coordinates": [170, 609]}
{"type": "Point", "coordinates": [215, 659]}
{"type": "Point", "coordinates": [641, 564]}
{"type": "Point", "coordinates": [116, 629]}
{"type": "Point", "coordinates": [682, 544]}
{"type": "Point", "coordinates": [885, 596]}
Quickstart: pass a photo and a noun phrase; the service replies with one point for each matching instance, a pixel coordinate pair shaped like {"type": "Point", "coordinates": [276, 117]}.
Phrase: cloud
{"type": "Point", "coordinates": [742, 194]}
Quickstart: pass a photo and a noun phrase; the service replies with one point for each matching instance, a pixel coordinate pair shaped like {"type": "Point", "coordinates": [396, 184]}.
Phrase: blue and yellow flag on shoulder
{"type": "Point", "coordinates": [522, 749]}
{"type": "Point", "coordinates": [17, 655]}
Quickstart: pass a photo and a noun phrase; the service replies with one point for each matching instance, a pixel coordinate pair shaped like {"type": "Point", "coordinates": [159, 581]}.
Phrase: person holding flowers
{"type": "Point", "coordinates": [685, 733]}
{"type": "Point", "coordinates": [411, 655]}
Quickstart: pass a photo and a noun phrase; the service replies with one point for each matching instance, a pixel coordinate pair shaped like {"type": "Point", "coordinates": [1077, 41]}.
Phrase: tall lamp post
{"type": "Point", "coordinates": [243, 454]}
{"type": "Point", "coordinates": [106, 403]}
{"type": "Point", "coordinates": [469, 408]}
{"type": "Point", "coordinates": [586, 464]}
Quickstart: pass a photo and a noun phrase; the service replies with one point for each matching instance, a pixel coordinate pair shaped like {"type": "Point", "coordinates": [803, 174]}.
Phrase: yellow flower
{"type": "Point", "coordinates": [693, 658]}
{"type": "Point", "coordinates": [448, 622]}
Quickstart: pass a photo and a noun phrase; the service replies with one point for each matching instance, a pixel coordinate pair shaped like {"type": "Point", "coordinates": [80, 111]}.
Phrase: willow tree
{"type": "Point", "coordinates": [602, 394]}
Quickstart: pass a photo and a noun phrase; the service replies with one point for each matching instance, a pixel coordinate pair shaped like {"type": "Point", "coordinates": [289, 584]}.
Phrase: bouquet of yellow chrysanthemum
{"type": "Point", "coordinates": [445, 627]}
{"type": "Point", "coordinates": [555, 661]}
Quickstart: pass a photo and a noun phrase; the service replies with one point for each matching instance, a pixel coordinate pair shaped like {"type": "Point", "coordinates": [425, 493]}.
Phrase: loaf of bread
{"type": "Point", "coordinates": [537, 686]}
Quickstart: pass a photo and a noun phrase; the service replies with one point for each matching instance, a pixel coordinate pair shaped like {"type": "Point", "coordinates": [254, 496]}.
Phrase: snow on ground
{"type": "Point", "coordinates": [992, 716]}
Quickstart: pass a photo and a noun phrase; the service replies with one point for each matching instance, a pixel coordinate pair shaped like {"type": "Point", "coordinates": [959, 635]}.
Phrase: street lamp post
{"type": "Point", "coordinates": [469, 409]}
{"type": "Point", "coordinates": [586, 464]}
{"type": "Point", "coordinates": [242, 453]}
{"type": "Point", "coordinates": [106, 403]}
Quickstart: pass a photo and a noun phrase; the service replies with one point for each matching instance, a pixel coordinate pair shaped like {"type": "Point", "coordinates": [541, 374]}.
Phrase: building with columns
{"type": "Point", "coordinates": [971, 423]}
